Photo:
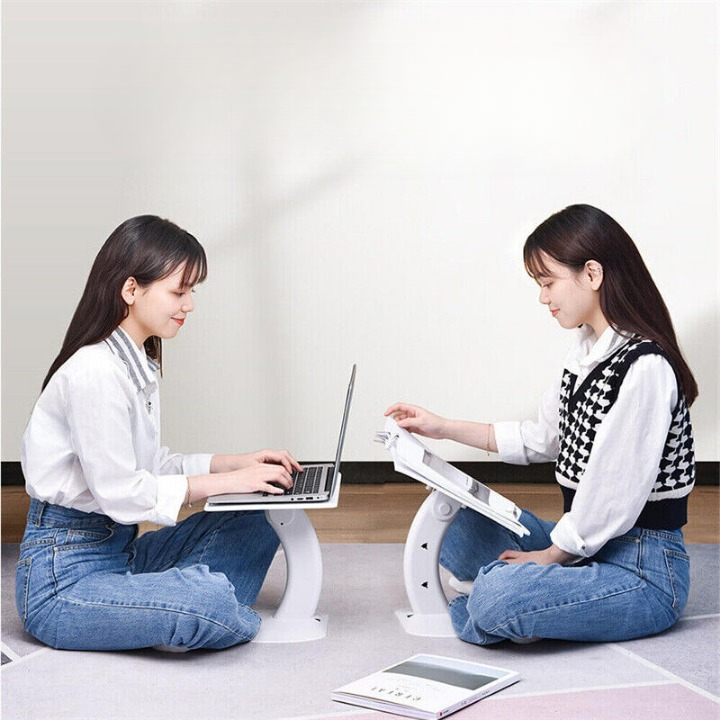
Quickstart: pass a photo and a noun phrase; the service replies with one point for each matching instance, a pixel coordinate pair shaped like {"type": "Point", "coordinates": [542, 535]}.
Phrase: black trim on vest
{"type": "Point", "coordinates": [659, 515]}
{"type": "Point", "coordinates": [633, 350]}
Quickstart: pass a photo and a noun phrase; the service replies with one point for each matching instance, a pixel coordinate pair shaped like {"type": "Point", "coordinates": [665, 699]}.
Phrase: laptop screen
{"type": "Point", "coordinates": [343, 426]}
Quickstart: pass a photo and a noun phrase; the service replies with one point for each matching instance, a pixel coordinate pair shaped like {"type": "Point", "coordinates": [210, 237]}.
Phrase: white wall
{"type": "Point", "coordinates": [363, 176]}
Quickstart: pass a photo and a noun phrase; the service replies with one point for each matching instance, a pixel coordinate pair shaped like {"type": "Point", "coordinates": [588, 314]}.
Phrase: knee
{"type": "Point", "coordinates": [493, 596]}
{"type": "Point", "coordinates": [215, 632]}
{"type": "Point", "coordinates": [196, 632]}
{"type": "Point", "coordinates": [213, 618]}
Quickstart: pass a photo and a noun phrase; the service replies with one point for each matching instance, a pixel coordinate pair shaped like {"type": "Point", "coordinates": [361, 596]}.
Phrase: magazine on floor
{"type": "Point", "coordinates": [417, 461]}
{"type": "Point", "coordinates": [426, 686]}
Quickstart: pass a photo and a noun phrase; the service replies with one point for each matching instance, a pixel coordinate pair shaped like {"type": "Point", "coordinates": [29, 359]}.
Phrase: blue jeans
{"type": "Point", "coordinates": [637, 584]}
{"type": "Point", "coordinates": [85, 582]}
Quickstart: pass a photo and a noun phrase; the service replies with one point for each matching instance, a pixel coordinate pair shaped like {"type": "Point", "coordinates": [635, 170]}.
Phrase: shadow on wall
{"type": "Point", "coordinates": [254, 253]}
{"type": "Point", "coordinates": [277, 99]}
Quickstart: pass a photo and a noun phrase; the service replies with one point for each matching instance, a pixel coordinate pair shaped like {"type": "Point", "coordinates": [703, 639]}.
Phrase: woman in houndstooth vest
{"type": "Point", "coordinates": [616, 424]}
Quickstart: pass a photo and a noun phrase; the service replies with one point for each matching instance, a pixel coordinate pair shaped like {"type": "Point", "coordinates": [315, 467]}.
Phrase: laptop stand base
{"type": "Point", "coordinates": [425, 625]}
{"type": "Point", "coordinates": [296, 619]}
{"type": "Point", "coordinates": [277, 630]}
{"type": "Point", "coordinates": [428, 614]}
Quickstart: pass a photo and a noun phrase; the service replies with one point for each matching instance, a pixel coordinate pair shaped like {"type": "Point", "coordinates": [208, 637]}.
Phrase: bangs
{"type": "Point", "coordinates": [534, 262]}
{"type": "Point", "coordinates": [194, 269]}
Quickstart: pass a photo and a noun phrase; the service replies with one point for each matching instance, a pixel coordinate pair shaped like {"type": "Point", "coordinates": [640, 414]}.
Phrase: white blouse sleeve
{"type": "Point", "coordinates": [624, 462]}
{"type": "Point", "coordinates": [102, 439]}
{"type": "Point", "coordinates": [522, 443]}
{"type": "Point", "coordinates": [169, 463]}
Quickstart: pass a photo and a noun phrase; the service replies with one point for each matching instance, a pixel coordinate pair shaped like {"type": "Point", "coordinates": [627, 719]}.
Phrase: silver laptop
{"type": "Point", "coordinates": [314, 484]}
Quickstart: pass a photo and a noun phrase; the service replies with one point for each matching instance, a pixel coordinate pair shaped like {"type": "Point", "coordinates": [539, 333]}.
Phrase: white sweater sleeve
{"type": "Point", "coordinates": [532, 441]}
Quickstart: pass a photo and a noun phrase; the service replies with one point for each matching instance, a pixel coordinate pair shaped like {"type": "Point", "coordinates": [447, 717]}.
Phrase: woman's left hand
{"type": "Point", "coordinates": [277, 457]}
{"type": "Point", "coordinates": [228, 463]}
{"type": "Point", "coordinates": [549, 556]}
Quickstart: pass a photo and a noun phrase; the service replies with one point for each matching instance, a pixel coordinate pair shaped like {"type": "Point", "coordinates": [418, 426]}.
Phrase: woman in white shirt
{"type": "Point", "coordinates": [94, 468]}
{"type": "Point", "coordinates": [617, 426]}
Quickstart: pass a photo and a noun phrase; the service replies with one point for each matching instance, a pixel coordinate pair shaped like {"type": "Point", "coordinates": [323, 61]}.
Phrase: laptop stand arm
{"type": "Point", "coordinates": [304, 563]}
{"type": "Point", "coordinates": [428, 614]}
{"type": "Point", "coordinates": [295, 620]}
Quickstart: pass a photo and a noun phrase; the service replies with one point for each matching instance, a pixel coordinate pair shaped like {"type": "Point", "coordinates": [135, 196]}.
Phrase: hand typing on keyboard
{"type": "Point", "coordinates": [264, 471]}
{"type": "Point", "coordinates": [306, 482]}
{"type": "Point", "coordinates": [281, 487]}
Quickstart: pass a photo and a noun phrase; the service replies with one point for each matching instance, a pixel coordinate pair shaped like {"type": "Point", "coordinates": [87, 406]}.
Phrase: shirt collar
{"type": "Point", "coordinates": [587, 352]}
{"type": "Point", "coordinates": [142, 369]}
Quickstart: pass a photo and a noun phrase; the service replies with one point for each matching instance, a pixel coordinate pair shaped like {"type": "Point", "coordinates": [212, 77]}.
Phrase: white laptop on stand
{"type": "Point", "coordinates": [296, 618]}
{"type": "Point", "coordinates": [317, 485]}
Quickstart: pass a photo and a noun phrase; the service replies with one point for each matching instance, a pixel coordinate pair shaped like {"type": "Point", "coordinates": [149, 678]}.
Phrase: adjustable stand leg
{"type": "Point", "coordinates": [295, 619]}
{"type": "Point", "coordinates": [428, 615]}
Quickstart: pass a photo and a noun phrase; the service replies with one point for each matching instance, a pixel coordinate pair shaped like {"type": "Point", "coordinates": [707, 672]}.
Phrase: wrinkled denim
{"type": "Point", "coordinates": [637, 585]}
{"type": "Point", "coordinates": [85, 582]}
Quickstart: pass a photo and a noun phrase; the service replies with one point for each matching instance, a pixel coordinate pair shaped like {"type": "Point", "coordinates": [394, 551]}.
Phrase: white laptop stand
{"type": "Point", "coordinates": [452, 490]}
{"type": "Point", "coordinates": [428, 614]}
{"type": "Point", "coordinates": [295, 620]}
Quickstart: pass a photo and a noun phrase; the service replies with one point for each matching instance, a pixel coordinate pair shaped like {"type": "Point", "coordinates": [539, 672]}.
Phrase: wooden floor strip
{"type": "Point", "coordinates": [383, 513]}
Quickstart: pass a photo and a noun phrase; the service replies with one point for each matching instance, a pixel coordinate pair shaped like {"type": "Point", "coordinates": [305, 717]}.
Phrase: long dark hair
{"type": "Point", "coordinates": [629, 299]}
{"type": "Point", "coordinates": [147, 248]}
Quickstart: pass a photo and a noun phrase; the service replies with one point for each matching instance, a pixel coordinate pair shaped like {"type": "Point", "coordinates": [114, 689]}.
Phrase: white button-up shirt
{"type": "Point", "coordinates": [625, 458]}
{"type": "Point", "coordinates": [93, 439]}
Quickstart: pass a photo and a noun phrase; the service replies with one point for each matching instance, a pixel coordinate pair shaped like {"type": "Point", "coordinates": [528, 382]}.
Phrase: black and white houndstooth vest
{"type": "Point", "coordinates": [582, 410]}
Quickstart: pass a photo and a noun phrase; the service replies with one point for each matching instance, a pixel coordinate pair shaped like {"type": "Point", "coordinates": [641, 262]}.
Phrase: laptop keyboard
{"type": "Point", "coordinates": [306, 482]}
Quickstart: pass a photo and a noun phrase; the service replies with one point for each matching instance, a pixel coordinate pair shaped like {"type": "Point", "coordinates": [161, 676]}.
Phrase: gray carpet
{"type": "Point", "coordinates": [363, 586]}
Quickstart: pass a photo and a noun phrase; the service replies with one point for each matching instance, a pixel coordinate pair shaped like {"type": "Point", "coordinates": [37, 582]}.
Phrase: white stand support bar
{"type": "Point", "coordinates": [428, 614]}
{"type": "Point", "coordinates": [295, 619]}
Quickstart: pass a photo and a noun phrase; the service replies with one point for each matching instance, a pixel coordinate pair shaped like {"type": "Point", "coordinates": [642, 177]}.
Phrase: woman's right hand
{"type": "Point", "coordinates": [258, 477]}
{"type": "Point", "coordinates": [415, 419]}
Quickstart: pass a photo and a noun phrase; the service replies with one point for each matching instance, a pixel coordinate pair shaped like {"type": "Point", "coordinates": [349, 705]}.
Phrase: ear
{"type": "Point", "coordinates": [128, 291]}
{"type": "Point", "coordinates": [594, 273]}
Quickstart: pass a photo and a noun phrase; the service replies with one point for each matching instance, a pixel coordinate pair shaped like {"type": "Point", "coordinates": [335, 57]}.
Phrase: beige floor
{"type": "Point", "coordinates": [383, 513]}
